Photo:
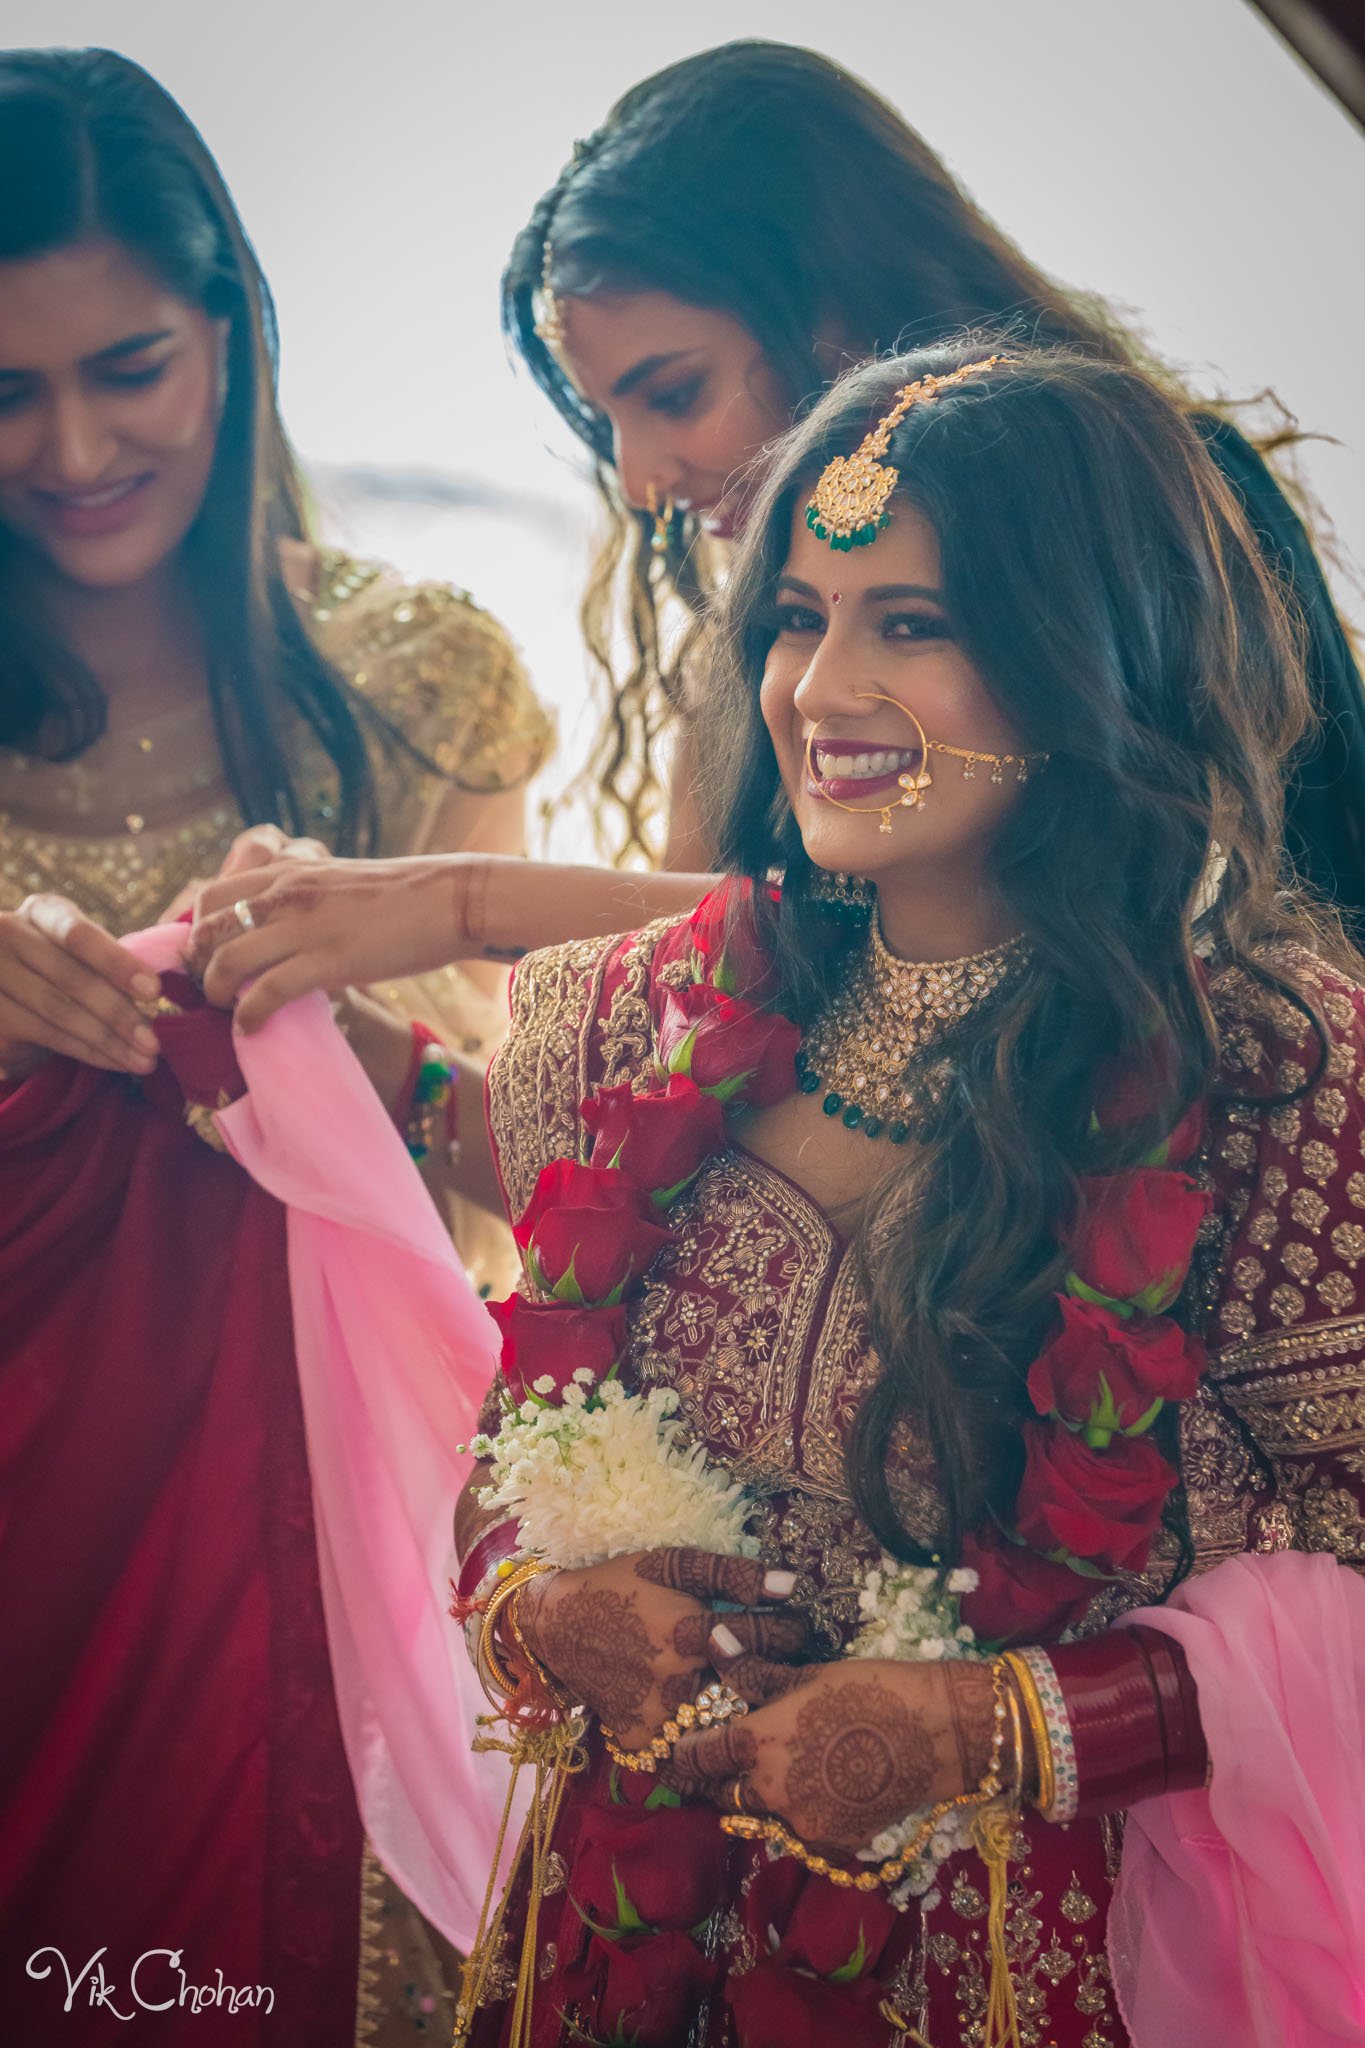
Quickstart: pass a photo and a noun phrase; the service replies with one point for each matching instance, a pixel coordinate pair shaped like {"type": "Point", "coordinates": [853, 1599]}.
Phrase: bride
{"type": "Point", "coordinates": [985, 1198]}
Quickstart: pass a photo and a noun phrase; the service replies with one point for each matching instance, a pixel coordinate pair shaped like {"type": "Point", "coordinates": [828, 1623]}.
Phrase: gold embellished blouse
{"type": "Point", "coordinates": [754, 1314]}
{"type": "Point", "coordinates": [433, 665]}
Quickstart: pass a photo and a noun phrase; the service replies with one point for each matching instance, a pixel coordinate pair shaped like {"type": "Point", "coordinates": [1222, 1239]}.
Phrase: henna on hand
{"type": "Point", "coordinates": [860, 1758]}
{"type": "Point", "coordinates": [596, 1644]}
{"type": "Point", "coordinates": [701, 1763]}
{"type": "Point", "coordinates": [971, 1691]}
{"type": "Point", "coordinates": [703, 1637]}
{"type": "Point", "coordinates": [705, 1575]}
{"type": "Point", "coordinates": [838, 1752]}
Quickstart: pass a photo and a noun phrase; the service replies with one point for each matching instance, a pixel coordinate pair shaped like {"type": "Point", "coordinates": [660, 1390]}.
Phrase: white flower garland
{"type": "Point", "coordinates": [610, 1472]}
{"type": "Point", "coordinates": [607, 1472]}
{"type": "Point", "coordinates": [911, 1613]}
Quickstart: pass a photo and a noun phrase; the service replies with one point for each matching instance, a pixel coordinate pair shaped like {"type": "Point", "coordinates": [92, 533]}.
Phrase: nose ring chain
{"type": "Point", "coordinates": [915, 783]}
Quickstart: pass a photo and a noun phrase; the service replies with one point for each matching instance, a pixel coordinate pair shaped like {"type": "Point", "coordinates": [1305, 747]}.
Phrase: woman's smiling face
{"type": "Point", "coordinates": [863, 666]}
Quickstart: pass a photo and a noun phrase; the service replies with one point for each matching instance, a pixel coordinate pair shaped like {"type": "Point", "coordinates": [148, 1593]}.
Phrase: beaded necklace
{"type": "Point", "coordinates": [887, 1010]}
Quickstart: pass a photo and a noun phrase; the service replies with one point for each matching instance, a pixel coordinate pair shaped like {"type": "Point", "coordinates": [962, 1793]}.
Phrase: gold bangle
{"type": "Point", "coordinates": [1017, 1737]}
{"type": "Point", "coordinates": [1031, 1699]}
{"type": "Point", "coordinates": [533, 1663]}
{"type": "Point", "coordinates": [490, 1672]}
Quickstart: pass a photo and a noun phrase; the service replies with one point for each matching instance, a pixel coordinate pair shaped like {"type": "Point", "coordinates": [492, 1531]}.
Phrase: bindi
{"type": "Point", "coordinates": [836, 597]}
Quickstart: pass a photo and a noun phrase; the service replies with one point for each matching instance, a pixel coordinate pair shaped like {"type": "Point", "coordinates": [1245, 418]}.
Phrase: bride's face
{"type": "Point", "coordinates": [862, 639]}
{"type": "Point", "coordinates": [690, 396]}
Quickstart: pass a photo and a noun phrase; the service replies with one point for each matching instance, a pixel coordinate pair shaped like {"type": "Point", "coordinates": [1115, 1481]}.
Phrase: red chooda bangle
{"type": "Point", "coordinates": [1134, 1716]}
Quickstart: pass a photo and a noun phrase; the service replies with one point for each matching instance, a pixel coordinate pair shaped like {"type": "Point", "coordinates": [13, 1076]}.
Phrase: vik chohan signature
{"type": "Point", "coordinates": [156, 1983]}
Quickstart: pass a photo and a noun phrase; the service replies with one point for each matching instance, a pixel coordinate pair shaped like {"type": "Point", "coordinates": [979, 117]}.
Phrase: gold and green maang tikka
{"type": "Point", "coordinates": [848, 506]}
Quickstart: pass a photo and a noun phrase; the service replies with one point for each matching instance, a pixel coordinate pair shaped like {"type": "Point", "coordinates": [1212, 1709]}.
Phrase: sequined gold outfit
{"type": "Point", "coordinates": [754, 1313]}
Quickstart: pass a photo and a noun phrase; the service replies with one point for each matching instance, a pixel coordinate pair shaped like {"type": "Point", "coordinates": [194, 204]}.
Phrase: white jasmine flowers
{"type": "Point", "coordinates": [911, 1612]}
{"type": "Point", "coordinates": [610, 1472]}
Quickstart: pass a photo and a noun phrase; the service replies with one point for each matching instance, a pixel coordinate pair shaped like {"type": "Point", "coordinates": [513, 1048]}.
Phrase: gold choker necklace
{"type": "Point", "coordinates": [886, 1011]}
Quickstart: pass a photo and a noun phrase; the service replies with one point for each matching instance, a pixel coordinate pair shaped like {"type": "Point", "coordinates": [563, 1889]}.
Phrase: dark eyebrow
{"type": "Point", "coordinates": [132, 346]}
{"type": "Point", "coordinates": [884, 592]}
{"type": "Point", "coordinates": [645, 368]}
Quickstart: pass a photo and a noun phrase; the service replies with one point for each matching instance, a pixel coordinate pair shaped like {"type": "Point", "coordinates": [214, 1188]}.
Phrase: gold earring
{"type": "Point", "coordinates": [662, 517]}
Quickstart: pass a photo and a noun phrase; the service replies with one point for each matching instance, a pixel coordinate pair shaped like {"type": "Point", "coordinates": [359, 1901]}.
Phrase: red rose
{"type": "Point", "coordinates": [587, 1232]}
{"type": "Point", "coordinates": [551, 1340]}
{"type": "Point", "coordinates": [657, 1140]}
{"type": "Point", "coordinates": [1134, 1236]}
{"type": "Point", "coordinates": [1103, 1506]}
{"type": "Point", "coordinates": [662, 1868]}
{"type": "Point", "coordinates": [1112, 1372]}
{"type": "Point", "coordinates": [724, 931]}
{"type": "Point", "coordinates": [1021, 1597]}
{"type": "Point", "coordinates": [839, 1935]}
{"type": "Point", "coordinates": [727, 1046]}
{"type": "Point", "coordinates": [775, 2006]}
{"type": "Point", "coordinates": [645, 1991]}
{"type": "Point", "coordinates": [1142, 1088]}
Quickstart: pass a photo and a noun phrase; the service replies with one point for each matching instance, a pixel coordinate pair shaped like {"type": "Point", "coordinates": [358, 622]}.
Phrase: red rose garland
{"type": "Point", "coordinates": [1095, 1482]}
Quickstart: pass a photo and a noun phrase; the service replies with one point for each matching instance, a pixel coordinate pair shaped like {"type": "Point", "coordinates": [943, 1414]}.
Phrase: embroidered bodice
{"type": "Point", "coordinates": [754, 1314]}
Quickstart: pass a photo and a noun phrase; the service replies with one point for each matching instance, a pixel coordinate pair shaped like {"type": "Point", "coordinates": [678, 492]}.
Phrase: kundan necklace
{"type": "Point", "coordinates": [886, 1011]}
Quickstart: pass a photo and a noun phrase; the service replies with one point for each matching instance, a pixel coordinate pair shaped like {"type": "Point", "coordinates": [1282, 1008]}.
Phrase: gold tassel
{"type": "Point", "coordinates": [554, 1753]}
{"type": "Point", "coordinates": [994, 1832]}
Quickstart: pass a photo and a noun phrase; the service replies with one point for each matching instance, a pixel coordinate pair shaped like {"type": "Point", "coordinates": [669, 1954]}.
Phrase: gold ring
{"type": "Point", "coordinates": [244, 914]}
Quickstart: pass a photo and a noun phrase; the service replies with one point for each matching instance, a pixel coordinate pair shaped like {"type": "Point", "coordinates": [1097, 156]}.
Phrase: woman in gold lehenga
{"type": "Point", "coordinates": [189, 685]}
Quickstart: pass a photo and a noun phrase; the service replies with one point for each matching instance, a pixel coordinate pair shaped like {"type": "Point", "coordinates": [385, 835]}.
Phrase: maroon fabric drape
{"type": "Point", "coordinates": [171, 1768]}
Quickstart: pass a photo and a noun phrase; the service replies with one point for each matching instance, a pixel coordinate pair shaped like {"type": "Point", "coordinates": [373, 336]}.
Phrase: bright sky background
{"type": "Point", "coordinates": [1170, 154]}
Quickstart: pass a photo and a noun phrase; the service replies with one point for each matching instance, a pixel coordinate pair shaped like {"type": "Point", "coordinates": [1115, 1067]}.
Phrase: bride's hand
{"type": "Point", "coordinates": [841, 1751]}
{"type": "Point", "coordinates": [628, 1639]}
{"type": "Point", "coordinates": [324, 924]}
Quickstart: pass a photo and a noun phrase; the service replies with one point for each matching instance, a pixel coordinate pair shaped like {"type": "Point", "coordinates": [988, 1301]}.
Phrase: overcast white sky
{"type": "Point", "coordinates": [1168, 153]}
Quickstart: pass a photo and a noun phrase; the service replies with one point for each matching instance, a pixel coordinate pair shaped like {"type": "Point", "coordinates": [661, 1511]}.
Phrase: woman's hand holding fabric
{"type": "Point", "coordinates": [67, 987]}
{"type": "Point", "coordinates": [628, 1638]}
{"type": "Point", "coordinates": [324, 924]}
{"type": "Point", "coordinates": [840, 1751]}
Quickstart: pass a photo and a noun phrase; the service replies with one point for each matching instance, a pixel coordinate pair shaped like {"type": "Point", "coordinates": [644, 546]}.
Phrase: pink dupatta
{"type": "Point", "coordinates": [1239, 1916]}
{"type": "Point", "coordinates": [395, 1352]}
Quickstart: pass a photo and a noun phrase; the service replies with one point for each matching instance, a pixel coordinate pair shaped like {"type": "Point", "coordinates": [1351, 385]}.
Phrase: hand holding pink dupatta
{"type": "Point", "coordinates": [395, 1352]}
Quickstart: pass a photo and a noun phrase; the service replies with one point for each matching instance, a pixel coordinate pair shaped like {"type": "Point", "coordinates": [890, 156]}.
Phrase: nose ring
{"type": "Point", "coordinates": [913, 783]}
{"type": "Point", "coordinates": [662, 515]}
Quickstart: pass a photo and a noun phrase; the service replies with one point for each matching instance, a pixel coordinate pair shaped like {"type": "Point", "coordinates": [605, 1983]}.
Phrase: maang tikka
{"type": "Point", "coordinates": [848, 505]}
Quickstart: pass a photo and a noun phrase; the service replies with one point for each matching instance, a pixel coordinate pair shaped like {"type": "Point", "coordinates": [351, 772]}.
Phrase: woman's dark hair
{"type": "Point", "coordinates": [763, 180]}
{"type": "Point", "coordinates": [91, 146]}
{"type": "Point", "coordinates": [1103, 579]}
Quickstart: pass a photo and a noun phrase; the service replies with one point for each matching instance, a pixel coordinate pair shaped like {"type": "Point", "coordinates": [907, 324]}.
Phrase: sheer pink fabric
{"type": "Point", "coordinates": [1239, 1916]}
{"type": "Point", "coordinates": [395, 1352]}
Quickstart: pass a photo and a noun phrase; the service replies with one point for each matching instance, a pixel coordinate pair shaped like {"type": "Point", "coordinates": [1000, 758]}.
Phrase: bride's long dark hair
{"type": "Point", "coordinates": [1102, 577]}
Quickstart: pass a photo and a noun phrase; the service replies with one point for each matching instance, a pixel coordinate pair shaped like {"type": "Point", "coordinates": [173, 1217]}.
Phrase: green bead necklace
{"type": "Point", "coordinates": [887, 1010]}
